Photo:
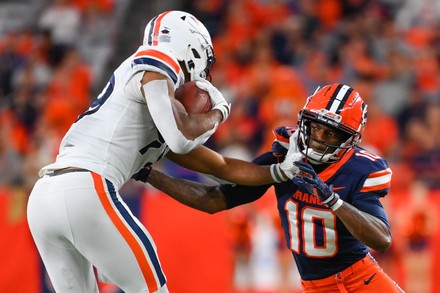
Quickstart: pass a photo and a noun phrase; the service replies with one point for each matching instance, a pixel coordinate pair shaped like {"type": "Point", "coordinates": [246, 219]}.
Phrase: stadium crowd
{"type": "Point", "coordinates": [270, 56]}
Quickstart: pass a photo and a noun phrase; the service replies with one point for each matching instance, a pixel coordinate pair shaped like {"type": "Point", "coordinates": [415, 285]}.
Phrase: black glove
{"type": "Point", "coordinates": [324, 192]}
{"type": "Point", "coordinates": [143, 174]}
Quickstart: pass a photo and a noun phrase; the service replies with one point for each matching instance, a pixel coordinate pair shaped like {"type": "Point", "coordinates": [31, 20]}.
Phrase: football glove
{"type": "Point", "coordinates": [143, 174]}
{"type": "Point", "coordinates": [323, 191]}
{"type": "Point", "coordinates": [217, 99]}
{"type": "Point", "coordinates": [287, 166]}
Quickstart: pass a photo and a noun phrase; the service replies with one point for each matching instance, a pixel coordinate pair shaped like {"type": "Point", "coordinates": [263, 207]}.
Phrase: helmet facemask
{"type": "Point", "coordinates": [194, 62]}
{"type": "Point", "coordinates": [333, 152]}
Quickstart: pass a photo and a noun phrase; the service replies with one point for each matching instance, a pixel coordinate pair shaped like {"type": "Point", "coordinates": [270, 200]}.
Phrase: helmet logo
{"type": "Point", "coordinates": [164, 36]}
{"type": "Point", "coordinates": [324, 113]}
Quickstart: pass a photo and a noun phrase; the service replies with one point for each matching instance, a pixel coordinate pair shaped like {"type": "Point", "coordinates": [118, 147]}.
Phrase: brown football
{"type": "Point", "coordinates": [194, 99]}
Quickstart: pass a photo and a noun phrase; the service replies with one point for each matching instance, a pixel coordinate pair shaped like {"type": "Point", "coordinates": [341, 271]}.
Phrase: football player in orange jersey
{"type": "Point", "coordinates": [330, 210]}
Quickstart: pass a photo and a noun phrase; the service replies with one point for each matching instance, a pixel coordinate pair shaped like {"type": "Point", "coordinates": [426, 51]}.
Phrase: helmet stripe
{"type": "Point", "coordinates": [330, 93]}
{"type": "Point", "coordinates": [340, 99]}
{"type": "Point", "coordinates": [156, 28]}
{"type": "Point", "coordinates": [150, 32]}
{"type": "Point", "coordinates": [345, 98]}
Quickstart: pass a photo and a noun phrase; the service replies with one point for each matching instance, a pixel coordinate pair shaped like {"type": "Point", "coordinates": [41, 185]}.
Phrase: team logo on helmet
{"type": "Point", "coordinates": [164, 36]}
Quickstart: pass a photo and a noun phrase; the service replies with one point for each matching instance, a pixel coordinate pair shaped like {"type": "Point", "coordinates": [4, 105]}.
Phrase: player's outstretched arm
{"type": "Point", "coordinates": [207, 161]}
{"type": "Point", "coordinates": [205, 198]}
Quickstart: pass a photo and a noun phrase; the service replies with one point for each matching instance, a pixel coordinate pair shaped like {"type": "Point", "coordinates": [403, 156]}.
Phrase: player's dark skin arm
{"type": "Point", "coordinates": [365, 227]}
{"type": "Point", "coordinates": [208, 199]}
{"type": "Point", "coordinates": [207, 161]}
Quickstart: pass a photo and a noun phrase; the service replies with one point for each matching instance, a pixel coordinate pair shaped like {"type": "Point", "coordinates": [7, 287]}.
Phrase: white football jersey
{"type": "Point", "coordinates": [116, 136]}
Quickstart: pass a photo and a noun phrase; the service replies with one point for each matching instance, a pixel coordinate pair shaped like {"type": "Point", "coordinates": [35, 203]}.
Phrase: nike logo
{"type": "Point", "coordinates": [338, 188]}
{"type": "Point", "coordinates": [367, 281]}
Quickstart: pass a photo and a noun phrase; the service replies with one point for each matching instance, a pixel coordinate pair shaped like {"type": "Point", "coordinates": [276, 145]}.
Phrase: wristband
{"type": "Point", "coordinates": [225, 110]}
{"type": "Point", "coordinates": [334, 201]}
{"type": "Point", "coordinates": [277, 175]}
{"type": "Point", "coordinates": [337, 204]}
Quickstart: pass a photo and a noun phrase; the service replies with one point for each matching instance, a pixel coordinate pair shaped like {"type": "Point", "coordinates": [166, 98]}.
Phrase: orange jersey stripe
{"type": "Point", "coordinates": [280, 137]}
{"type": "Point", "coordinates": [157, 27]}
{"type": "Point", "coordinates": [376, 187]}
{"type": "Point", "coordinates": [331, 170]}
{"type": "Point", "coordinates": [380, 173]}
{"type": "Point", "coordinates": [126, 234]}
{"type": "Point", "coordinates": [161, 56]}
{"type": "Point", "coordinates": [378, 180]}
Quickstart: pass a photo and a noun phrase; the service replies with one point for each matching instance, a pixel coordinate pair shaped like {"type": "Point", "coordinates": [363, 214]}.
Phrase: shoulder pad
{"type": "Point", "coordinates": [379, 177]}
{"type": "Point", "coordinates": [155, 59]}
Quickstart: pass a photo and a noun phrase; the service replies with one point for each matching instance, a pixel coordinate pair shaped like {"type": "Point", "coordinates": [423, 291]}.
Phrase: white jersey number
{"type": "Point", "coordinates": [312, 222]}
{"type": "Point", "coordinates": [103, 96]}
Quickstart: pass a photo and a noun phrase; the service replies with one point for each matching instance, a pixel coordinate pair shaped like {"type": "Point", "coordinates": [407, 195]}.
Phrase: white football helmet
{"type": "Point", "coordinates": [187, 39]}
{"type": "Point", "coordinates": [339, 107]}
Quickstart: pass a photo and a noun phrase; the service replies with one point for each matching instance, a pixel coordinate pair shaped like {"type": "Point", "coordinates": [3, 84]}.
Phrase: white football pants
{"type": "Point", "coordinates": [78, 220]}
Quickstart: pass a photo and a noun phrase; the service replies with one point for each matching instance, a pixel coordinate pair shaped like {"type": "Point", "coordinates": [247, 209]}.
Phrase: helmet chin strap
{"type": "Point", "coordinates": [316, 157]}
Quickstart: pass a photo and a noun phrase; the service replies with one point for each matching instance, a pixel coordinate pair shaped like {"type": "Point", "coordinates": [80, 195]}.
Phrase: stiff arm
{"type": "Point", "coordinates": [207, 161]}
{"type": "Point", "coordinates": [206, 198]}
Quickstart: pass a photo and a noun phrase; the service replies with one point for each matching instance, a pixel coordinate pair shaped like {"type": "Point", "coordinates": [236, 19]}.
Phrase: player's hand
{"type": "Point", "coordinates": [324, 192]}
{"type": "Point", "coordinates": [288, 168]}
{"type": "Point", "coordinates": [288, 165]}
{"type": "Point", "coordinates": [293, 155]}
{"type": "Point", "coordinates": [217, 99]}
{"type": "Point", "coordinates": [143, 174]}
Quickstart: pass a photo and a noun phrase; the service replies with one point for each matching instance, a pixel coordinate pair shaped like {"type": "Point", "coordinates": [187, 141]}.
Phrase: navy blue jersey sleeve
{"type": "Point", "coordinates": [370, 203]}
{"type": "Point", "coordinates": [236, 195]}
{"type": "Point", "coordinates": [374, 183]}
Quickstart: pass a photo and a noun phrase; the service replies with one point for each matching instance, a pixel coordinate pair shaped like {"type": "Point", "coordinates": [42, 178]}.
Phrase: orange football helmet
{"type": "Point", "coordinates": [337, 106]}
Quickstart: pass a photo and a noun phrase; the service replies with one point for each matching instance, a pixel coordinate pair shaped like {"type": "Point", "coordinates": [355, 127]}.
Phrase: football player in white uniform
{"type": "Point", "coordinates": [76, 215]}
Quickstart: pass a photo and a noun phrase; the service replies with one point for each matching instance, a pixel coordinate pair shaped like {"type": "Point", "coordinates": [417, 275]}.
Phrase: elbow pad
{"type": "Point", "coordinates": [159, 105]}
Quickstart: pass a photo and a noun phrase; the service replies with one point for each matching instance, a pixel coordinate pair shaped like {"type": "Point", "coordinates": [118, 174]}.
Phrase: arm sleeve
{"type": "Point", "coordinates": [236, 195]}
{"type": "Point", "coordinates": [161, 111]}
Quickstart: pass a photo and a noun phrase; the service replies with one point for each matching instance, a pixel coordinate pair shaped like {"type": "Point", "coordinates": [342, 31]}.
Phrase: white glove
{"type": "Point", "coordinates": [217, 99]}
{"type": "Point", "coordinates": [293, 143]}
{"type": "Point", "coordinates": [287, 166]}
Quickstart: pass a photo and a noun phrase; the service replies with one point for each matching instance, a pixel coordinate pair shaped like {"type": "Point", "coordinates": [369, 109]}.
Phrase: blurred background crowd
{"type": "Point", "coordinates": [56, 55]}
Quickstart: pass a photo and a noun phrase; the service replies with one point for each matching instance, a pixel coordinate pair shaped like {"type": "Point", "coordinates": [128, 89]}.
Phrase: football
{"type": "Point", "coordinates": [194, 99]}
